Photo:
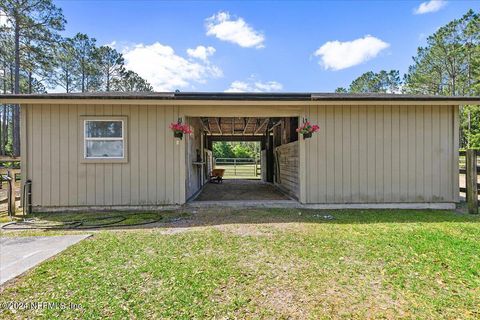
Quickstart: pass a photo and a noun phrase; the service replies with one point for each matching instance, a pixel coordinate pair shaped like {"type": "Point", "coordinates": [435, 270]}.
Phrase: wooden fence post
{"type": "Point", "coordinates": [471, 181]}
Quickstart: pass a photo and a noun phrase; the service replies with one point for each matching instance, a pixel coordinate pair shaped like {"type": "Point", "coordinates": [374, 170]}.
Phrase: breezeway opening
{"type": "Point", "coordinates": [256, 157]}
{"type": "Point", "coordinates": [238, 159]}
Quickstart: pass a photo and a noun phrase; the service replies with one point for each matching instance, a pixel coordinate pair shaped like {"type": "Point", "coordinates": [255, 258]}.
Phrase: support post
{"type": "Point", "coordinates": [471, 181]}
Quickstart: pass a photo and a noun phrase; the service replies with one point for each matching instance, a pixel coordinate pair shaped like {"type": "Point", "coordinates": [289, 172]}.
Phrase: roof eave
{"type": "Point", "coordinates": [226, 102]}
{"type": "Point", "coordinates": [222, 98]}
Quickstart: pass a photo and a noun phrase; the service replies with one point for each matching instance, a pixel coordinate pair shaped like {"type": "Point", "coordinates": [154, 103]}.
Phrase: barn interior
{"type": "Point", "coordinates": [273, 174]}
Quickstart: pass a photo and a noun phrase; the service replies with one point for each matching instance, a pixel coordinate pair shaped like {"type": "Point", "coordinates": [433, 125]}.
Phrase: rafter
{"type": "Point", "coordinates": [246, 122]}
{"type": "Point", "coordinates": [255, 124]}
{"type": "Point", "coordinates": [219, 126]}
{"type": "Point", "coordinates": [261, 126]}
{"type": "Point", "coordinates": [205, 128]}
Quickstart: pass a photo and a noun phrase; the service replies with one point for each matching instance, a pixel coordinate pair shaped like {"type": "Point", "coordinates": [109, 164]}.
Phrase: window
{"type": "Point", "coordinates": [104, 139]}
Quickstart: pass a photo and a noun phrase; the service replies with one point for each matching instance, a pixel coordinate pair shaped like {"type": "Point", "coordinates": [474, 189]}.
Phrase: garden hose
{"type": "Point", "coordinates": [75, 224]}
{"type": "Point", "coordinates": [32, 224]}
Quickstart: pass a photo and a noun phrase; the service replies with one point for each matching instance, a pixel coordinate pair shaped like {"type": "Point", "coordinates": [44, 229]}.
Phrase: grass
{"type": "Point", "coordinates": [4, 217]}
{"type": "Point", "coordinates": [269, 263]}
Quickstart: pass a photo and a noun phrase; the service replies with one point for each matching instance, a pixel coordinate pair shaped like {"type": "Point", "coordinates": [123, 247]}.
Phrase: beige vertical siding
{"type": "Point", "coordinates": [374, 154]}
{"type": "Point", "coordinates": [362, 154]}
{"type": "Point", "coordinates": [59, 178]}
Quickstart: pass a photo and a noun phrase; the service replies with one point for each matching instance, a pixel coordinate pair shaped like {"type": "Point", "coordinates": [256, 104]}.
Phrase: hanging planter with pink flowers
{"type": "Point", "coordinates": [307, 129]}
{"type": "Point", "coordinates": [180, 129]}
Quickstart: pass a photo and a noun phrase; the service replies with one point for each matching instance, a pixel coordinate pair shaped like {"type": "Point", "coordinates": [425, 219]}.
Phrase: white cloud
{"type": "Point", "coordinates": [4, 19]}
{"type": "Point", "coordinates": [201, 52]}
{"type": "Point", "coordinates": [268, 86]}
{"type": "Point", "coordinates": [57, 89]}
{"type": "Point", "coordinates": [222, 26]}
{"type": "Point", "coordinates": [254, 86]}
{"type": "Point", "coordinates": [164, 69]}
{"type": "Point", "coordinates": [238, 86]}
{"type": "Point", "coordinates": [336, 55]}
{"type": "Point", "coordinates": [430, 6]}
{"type": "Point", "coordinates": [112, 44]}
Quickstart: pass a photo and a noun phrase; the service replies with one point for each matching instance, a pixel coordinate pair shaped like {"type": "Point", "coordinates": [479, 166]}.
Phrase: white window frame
{"type": "Point", "coordinates": [84, 120]}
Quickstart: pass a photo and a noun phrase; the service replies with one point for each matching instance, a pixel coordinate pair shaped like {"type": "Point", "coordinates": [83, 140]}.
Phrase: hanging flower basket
{"type": "Point", "coordinates": [307, 135]}
{"type": "Point", "coordinates": [307, 129]}
{"type": "Point", "coordinates": [180, 129]}
{"type": "Point", "coordinates": [178, 134]}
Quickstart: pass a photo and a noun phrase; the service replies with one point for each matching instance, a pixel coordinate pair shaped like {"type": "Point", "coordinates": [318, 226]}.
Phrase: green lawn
{"type": "Point", "coordinates": [268, 264]}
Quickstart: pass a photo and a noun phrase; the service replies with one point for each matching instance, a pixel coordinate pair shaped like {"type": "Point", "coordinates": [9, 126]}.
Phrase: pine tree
{"type": "Point", "coordinates": [131, 82]}
{"type": "Point", "coordinates": [110, 64]}
{"type": "Point", "coordinates": [64, 74]}
{"type": "Point", "coordinates": [31, 22]}
{"type": "Point", "coordinates": [448, 65]}
{"type": "Point", "coordinates": [371, 82]}
{"type": "Point", "coordinates": [84, 53]}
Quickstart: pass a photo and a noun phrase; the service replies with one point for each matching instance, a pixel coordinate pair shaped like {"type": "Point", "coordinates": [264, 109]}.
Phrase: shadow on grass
{"type": "Point", "coordinates": [222, 216]}
{"type": "Point", "coordinates": [259, 216]}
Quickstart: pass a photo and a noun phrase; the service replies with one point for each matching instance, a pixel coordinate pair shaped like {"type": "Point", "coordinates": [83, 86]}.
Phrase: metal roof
{"type": "Point", "coordinates": [250, 96]}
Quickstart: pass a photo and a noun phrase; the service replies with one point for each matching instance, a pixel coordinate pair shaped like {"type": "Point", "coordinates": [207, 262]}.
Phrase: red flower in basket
{"type": "Point", "coordinates": [306, 129]}
{"type": "Point", "coordinates": [180, 129]}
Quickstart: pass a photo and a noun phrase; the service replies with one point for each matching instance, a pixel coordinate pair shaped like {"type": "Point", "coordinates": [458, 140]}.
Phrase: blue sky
{"type": "Point", "coordinates": [285, 46]}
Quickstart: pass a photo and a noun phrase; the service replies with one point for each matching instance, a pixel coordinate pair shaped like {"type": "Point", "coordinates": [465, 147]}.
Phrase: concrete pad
{"type": "Point", "coordinates": [19, 254]}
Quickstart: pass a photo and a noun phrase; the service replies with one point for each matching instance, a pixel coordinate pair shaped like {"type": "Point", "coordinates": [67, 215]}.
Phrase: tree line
{"type": "Point", "coordinates": [243, 149]}
{"type": "Point", "coordinates": [34, 57]}
{"type": "Point", "coordinates": [448, 65]}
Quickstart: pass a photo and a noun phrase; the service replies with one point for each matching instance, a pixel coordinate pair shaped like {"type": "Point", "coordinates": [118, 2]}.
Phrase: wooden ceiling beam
{"type": "Point", "coordinates": [255, 124]}
{"type": "Point", "coordinates": [246, 122]}
{"type": "Point", "coordinates": [213, 126]}
{"type": "Point", "coordinates": [205, 128]}
{"type": "Point", "coordinates": [262, 125]}
{"type": "Point", "coordinates": [219, 126]}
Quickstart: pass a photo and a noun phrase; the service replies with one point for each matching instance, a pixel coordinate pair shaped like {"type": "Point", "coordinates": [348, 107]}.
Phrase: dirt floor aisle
{"type": "Point", "coordinates": [240, 190]}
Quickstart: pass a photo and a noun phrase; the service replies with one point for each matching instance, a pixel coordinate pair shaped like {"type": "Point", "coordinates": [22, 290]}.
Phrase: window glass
{"type": "Point", "coordinates": [103, 129]}
{"type": "Point", "coordinates": [104, 149]}
{"type": "Point", "coordinates": [104, 139]}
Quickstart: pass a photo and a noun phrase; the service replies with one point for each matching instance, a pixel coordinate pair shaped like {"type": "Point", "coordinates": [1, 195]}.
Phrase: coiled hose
{"type": "Point", "coordinates": [75, 224]}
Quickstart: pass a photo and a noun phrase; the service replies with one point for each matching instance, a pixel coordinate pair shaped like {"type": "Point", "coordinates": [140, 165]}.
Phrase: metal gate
{"type": "Point", "coordinates": [239, 168]}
